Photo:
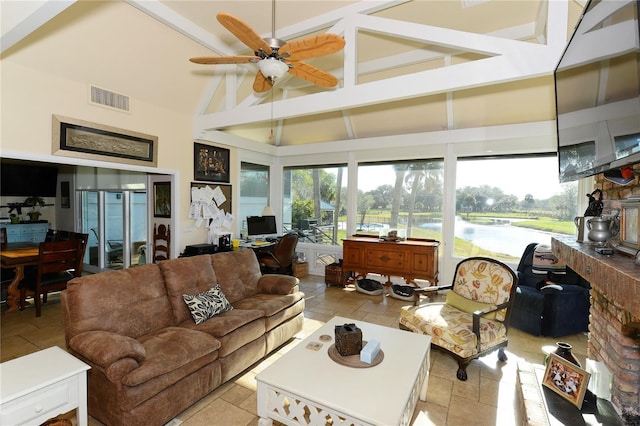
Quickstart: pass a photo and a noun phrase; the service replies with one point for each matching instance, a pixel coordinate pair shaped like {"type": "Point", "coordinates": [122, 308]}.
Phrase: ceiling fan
{"type": "Point", "coordinates": [275, 57]}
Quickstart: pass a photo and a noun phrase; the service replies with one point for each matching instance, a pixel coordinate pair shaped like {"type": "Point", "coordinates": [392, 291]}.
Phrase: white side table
{"type": "Point", "coordinates": [42, 385]}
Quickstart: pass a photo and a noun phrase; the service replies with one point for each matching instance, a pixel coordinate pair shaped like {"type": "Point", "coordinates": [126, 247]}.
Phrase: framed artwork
{"type": "Point", "coordinates": [65, 196]}
{"type": "Point", "coordinates": [81, 139]}
{"type": "Point", "coordinates": [211, 163]}
{"type": "Point", "coordinates": [629, 217]}
{"type": "Point", "coordinates": [162, 199]}
{"type": "Point", "coordinates": [566, 379]}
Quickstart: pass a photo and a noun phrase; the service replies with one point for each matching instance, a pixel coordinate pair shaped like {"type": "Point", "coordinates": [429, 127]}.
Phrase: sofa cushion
{"type": "Point", "coordinates": [233, 329]}
{"type": "Point", "coordinates": [132, 302]}
{"type": "Point", "coordinates": [168, 350]}
{"type": "Point", "coordinates": [187, 275]}
{"type": "Point", "coordinates": [207, 304]}
{"type": "Point", "coordinates": [452, 328]}
{"type": "Point", "coordinates": [467, 305]}
{"type": "Point", "coordinates": [237, 273]}
{"type": "Point", "coordinates": [227, 322]}
{"type": "Point", "coordinates": [268, 303]}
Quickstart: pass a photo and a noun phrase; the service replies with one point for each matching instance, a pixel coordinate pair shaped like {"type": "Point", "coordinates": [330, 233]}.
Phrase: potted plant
{"type": "Point", "coordinates": [35, 203]}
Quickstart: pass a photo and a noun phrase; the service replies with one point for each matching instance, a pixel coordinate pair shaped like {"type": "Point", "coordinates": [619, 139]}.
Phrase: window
{"type": "Point", "coordinates": [401, 195]}
{"type": "Point", "coordinates": [314, 202]}
{"type": "Point", "coordinates": [254, 191]}
{"type": "Point", "coordinates": [505, 203]}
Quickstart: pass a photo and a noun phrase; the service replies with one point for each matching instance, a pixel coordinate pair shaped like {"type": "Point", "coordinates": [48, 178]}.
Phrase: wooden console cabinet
{"type": "Point", "coordinates": [410, 259]}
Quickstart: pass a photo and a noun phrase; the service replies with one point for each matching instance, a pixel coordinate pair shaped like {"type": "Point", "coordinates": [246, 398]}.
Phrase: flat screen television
{"type": "Point", "coordinates": [261, 226]}
{"type": "Point", "coordinates": [597, 84]}
{"type": "Point", "coordinates": [25, 180]}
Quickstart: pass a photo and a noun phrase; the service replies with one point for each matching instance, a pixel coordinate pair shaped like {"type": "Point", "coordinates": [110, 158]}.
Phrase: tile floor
{"type": "Point", "coordinates": [488, 397]}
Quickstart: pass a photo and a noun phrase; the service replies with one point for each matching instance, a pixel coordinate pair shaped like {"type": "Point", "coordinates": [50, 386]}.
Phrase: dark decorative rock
{"type": "Point", "coordinates": [348, 339]}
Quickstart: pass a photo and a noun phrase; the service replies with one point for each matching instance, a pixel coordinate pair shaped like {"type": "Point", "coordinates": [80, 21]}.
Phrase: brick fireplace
{"type": "Point", "coordinates": [614, 330]}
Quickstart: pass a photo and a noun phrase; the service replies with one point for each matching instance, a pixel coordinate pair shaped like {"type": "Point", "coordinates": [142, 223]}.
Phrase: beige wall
{"type": "Point", "coordinates": [30, 98]}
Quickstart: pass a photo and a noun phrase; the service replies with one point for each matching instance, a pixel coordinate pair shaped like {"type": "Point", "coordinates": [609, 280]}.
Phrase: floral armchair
{"type": "Point", "coordinates": [474, 319]}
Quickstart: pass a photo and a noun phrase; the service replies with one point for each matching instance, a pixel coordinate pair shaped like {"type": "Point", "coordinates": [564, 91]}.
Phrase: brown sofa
{"type": "Point", "coordinates": [149, 360]}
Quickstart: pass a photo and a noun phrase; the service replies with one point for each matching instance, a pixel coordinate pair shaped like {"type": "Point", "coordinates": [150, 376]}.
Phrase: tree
{"type": "Point", "coordinates": [468, 204]}
{"type": "Point", "coordinates": [365, 201]}
{"type": "Point", "coordinates": [565, 204]}
{"type": "Point", "coordinates": [413, 180]}
{"type": "Point", "coordinates": [528, 202]}
{"type": "Point", "coordinates": [336, 213]}
{"type": "Point", "coordinates": [398, 192]}
{"type": "Point", "coordinates": [317, 205]}
{"type": "Point", "coordinates": [382, 196]}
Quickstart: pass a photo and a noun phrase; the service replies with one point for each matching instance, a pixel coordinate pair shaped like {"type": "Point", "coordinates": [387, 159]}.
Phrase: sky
{"type": "Point", "coordinates": [535, 176]}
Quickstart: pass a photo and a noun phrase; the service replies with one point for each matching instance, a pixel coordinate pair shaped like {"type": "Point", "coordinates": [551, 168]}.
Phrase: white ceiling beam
{"type": "Point", "coordinates": [21, 18]}
{"type": "Point", "coordinates": [515, 60]}
{"type": "Point", "coordinates": [530, 63]}
{"type": "Point", "coordinates": [454, 39]}
{"type": "Point", "coordinates": [519, 32]}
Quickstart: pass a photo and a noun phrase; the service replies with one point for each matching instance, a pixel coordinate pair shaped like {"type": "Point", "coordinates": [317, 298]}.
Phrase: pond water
{"type": "Point", "coordinates": [499, 237]}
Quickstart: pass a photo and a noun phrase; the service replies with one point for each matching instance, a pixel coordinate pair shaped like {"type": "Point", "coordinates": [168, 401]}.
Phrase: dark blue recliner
{"type": "Point", "coordinates": [549, 312]}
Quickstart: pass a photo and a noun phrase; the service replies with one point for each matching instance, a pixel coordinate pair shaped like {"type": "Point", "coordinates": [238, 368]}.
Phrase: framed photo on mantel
{"type": "Point", "coordinates": [566, 379]}
{"type": "Point", "coordinates": [629, 218]}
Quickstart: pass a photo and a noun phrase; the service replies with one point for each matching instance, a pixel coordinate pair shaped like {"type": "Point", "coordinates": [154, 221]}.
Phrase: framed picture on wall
{"type": "Point", "coordinates": [211, 163]}
{"type": "Point", "coordinates": [162, 199]}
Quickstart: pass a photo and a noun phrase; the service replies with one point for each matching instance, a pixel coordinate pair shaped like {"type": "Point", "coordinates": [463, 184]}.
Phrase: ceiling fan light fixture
{"type": "Point", "coordinates": [272, 68]}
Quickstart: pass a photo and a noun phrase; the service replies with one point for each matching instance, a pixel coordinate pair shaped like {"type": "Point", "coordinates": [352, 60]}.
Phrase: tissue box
{"type": "Point", "coordinates": [348, 339]}
{"type": "Point", "coordinates": [370, 351]}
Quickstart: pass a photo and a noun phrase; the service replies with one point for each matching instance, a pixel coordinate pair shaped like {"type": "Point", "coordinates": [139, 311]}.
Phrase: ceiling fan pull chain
{"type": "Point", "coordinates": [273, 18]}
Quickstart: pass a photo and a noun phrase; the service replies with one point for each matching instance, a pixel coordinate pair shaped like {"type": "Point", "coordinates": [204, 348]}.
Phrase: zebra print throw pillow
{"type": "Point", "coordinates": [207, 304]}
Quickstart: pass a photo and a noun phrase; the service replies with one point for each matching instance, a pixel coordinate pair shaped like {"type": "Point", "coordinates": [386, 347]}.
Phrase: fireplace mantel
{"type": "Point", "coordinates": [614, 320]}
{"type": "Point", "coordinates": [616, 277]}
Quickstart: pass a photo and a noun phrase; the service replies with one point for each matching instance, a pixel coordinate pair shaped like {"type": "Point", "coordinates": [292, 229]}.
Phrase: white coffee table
{"type": "Point", "coordinates": [307, 387]}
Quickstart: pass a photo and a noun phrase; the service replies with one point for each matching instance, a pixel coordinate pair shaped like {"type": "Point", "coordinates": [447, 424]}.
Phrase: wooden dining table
{"type": "Point", "coordinates": [17, 255]}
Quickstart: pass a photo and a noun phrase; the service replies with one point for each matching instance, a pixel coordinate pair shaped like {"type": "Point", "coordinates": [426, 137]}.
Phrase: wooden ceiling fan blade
{"type": "Point", "coordinates": [261, 83]}
{"type": "Point", "coordinates": [313, 75]}
{"type": "Point", "coordinates": [219, 60]}
{"type": "Point", "coordinates": [311, 47]}
{"type": "Point", "coordinates": [244, 32]}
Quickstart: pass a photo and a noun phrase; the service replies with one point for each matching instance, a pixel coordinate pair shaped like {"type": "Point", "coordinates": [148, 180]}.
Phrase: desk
{"type": "Point", "coordinates": [411, 259]}
{"type": "Point", "coordinates": [17, 255]}
{"type": "Point", "coordinates": [258, 245]}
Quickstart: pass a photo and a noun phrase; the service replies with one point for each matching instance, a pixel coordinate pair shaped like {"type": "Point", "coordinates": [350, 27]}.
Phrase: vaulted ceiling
{"type": "Point", "coordinates": [407, 66]}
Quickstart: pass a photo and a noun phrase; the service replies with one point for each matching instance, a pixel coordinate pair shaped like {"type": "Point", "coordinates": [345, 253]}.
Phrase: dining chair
{"type": "Point", "coordinates": [67, 236]}
{"type": "Point", "coordinates": [6, 274]}
{"type": "Point", "coordinates": [4, 239]}
{"type": "Point", "coordinates": [161, 242]}
{"type": "Point", "coordinates": [58, 262]}
{"type": "Point", "coordinates": [62, 235]}
{"type": "Point", "coordinates": [84, 241]}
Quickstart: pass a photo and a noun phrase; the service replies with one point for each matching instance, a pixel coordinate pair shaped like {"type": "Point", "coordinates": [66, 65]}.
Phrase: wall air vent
{"type": "Point", "coordinates": [109, 99]}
